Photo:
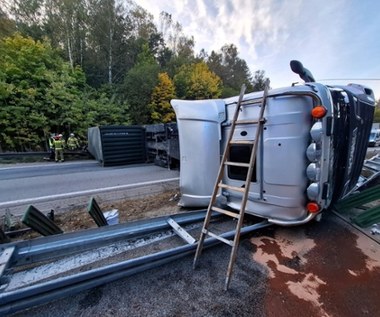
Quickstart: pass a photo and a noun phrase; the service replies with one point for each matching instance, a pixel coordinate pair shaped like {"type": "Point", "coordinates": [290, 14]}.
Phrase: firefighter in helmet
{"type": "Point", "coordinates": [72, 142]}
{"type": "Point", "coordinates": [58, 147]}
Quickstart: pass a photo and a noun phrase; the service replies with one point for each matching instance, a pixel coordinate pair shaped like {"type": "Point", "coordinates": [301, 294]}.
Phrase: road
{"type": "Point", "coordinates": [74, 182]}
{"type": "Point", "coordinates": [325, 268]}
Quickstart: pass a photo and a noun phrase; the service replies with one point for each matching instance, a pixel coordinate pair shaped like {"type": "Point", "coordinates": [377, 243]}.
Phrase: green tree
{"type": "Point", "coordinates": [99, 108]}
{"type": "Point", "coordinates": [258, 81]}
{"type": "Point", "coordinates": [232, 70]}
{"type": "Point", "coordinates": [28, 17]}
{"type": "Point", "coordinates": [7, 26]}
{"type": "Point", "coordinates": [65, 24]}
{"type": "Point", "coordinates": [196, 81]}
{"type": "Point", "coordinates": [376, 117]}
{"type": "Point", "coordinates": [138, 86]}
{"type": "Point", "coordinates": [179, 49]}
{"type": "Point", "coordinates": [38, 93]}
{"type": "Point", "coordinates": [161, 96]}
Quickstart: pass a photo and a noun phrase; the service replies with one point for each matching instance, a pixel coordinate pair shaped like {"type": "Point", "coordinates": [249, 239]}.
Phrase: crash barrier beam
{"type": "Point", "coordinates": [368, 218]}
{"type": "Point", "coordinates": [5, 259]}
{"type": "Point", "coordinates": [53, 247]}
{"type": "Point", "coordinates": [96, 213]}
{"type": "Point", "coordinates": [14, 301]}
{"type": "Point", "coordinates": [36, 220]}
{"type": "Point", "coordinates": [358, 200]}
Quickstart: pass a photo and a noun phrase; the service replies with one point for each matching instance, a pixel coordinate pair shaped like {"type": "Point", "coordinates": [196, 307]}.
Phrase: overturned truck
{"type": "Point", "coordinates": [310, 153]}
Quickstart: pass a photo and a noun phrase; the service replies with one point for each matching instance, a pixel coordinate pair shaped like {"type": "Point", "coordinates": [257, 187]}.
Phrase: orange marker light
{"type": "Point", "coordinates": [318, 112]}
{"type": "Point", "coordinates": [312, 207]}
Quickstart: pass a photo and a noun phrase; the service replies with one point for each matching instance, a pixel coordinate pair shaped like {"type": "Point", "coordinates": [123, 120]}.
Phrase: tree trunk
{"type": "Point", "coordinates": [69, 51]}
{"type": "Point", "coordinates": [110, 53]}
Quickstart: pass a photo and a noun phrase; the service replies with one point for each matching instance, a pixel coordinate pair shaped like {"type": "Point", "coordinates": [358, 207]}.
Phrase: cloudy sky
{"type": "Point", "coordinates": [334, 39]}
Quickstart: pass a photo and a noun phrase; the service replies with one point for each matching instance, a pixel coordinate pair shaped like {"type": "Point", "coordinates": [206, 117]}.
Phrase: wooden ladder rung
{"type": "Point", "coordinates": [226, 241]}
{"type": "Point", "coordinates": [238, 189]}
{"type": "Point", "coordinates": [242, 142]}
{"type": "Point", "coordinates": [226, 212]}
{"type": "Point", "coordinates": [240, 164]}
{"type": "Point", "coordinates": [247, 122]}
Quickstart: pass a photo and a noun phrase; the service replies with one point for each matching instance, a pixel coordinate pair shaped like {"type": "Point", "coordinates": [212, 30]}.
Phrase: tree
{"type": "Point", "coordinates": [7, 26]}
{"type": "Point", "coordinates": [35, 83]}
{"type": "Point", "coordinates": [138, 86]}
{"type": "Point", "coordinates": [28, 17]}
{"type": "Point", "coordinates": [180, 48]}
{"type": "Point", "coordinates": [141, 21]}
{"type": "Point", "coordinates": [27, 76]}
{"type": "Point", "coordinates": [232, 70]}
{"type": "Point", "coordinates": [107, 42]}
{"type": "Point", "coordinates": [65, 24]}
{"type": "Point", "coordinates": [196, 81]}
{"type": "Point", "coordinates": [161, 96]}
{"type": "Point", "coordinates": [258, 81]}
{"type": "Point", "coordinates": [376, 117]}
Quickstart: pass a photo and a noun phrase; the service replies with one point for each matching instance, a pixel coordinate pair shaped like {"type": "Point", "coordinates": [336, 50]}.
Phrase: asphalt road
{"type": "Point", "coordinates": [21, 185]}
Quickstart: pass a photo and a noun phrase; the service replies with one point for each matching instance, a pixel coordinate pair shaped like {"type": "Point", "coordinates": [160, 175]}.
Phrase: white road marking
{"type": "Point", "coordinates": [82, 193]}
{"type": "Point", "coordinates": [5, 167]}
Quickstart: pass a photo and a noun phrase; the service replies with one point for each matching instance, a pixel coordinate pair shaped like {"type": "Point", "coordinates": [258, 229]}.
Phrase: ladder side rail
{"type": "Point", "coordinates": [219, 178]}
{"type": "Point", "coordinates": [247, 187]}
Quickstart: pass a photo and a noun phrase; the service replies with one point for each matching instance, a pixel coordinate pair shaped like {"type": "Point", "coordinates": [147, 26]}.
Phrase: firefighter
{"type": "Point", "coordinates": [51, 147]}
{"type": "Point", "coordinates": [72, 142]}
{"type": "Point", "coordinates": [58, 147]}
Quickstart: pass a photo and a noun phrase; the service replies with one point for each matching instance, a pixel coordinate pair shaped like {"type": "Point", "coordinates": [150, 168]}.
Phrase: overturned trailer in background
{"type": "Point", "coordinates": [310, 153]}
{"type": "Point", "coordinates": [117, 145]}
{"type": "Point", "coordinates": [162, 144]}
{"type": "Point", "coordinates": [123, 145]}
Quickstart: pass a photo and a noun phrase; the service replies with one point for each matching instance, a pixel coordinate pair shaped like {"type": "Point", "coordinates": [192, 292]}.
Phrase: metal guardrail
{"type": "Point", "coordinates": [61, 245]}
{"type": "Point", "coordinates": [22, 154]}
{"type": "Point", "coordinates": [39, 154]}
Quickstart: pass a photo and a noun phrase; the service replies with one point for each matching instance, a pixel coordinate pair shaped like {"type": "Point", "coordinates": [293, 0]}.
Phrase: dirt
{"type": "Point", "coordinates": [129, 209]}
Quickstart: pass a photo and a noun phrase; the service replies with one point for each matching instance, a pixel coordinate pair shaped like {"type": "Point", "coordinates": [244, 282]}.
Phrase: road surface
{"type": "Point", "coordinates": [72, 183]}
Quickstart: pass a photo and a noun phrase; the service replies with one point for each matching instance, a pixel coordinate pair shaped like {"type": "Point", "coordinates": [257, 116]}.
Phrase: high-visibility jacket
{"type": "Point", "coordinates": [58, 144]}
{"type": "Point", "coordinates": [72, 142]}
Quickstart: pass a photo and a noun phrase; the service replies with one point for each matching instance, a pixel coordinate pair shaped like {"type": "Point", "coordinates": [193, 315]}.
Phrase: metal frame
{"type": "Point", "coordinates": [51, 247]}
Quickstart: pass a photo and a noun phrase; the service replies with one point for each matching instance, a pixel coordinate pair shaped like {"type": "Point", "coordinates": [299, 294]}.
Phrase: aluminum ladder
{"type": "Point", "coordinates": [244, 189]}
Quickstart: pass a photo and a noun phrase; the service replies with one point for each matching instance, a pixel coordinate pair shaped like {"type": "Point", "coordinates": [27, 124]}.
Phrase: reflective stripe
{"type": "Point", "coordinates": [58, 144]}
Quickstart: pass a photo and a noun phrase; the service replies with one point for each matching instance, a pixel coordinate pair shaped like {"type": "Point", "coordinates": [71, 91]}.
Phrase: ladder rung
{"type": "Point", "coordinates": [247, 122]}
{"type": "Point", "coordinates": [238, 189]}
{"type": "Point", "coordinates": [226, 212]}
{"type": "Point", "coordinates": [242, 142]}
{"type": "Point", "coordinates": [240, 164]}
{"type": "Point", "coordinates": [226, 241]}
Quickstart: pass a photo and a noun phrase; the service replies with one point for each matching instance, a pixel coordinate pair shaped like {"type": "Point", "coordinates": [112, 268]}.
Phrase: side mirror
{"type": "Point", "coordinates": [304, 73]}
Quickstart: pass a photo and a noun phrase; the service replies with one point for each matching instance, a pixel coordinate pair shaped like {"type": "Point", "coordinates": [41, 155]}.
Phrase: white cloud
{"type": "Point", "coordinates": [332, 38]}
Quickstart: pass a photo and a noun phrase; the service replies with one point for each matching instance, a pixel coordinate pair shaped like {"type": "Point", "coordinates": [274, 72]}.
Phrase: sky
{"type": "Point", "coordinates": [334, 39]}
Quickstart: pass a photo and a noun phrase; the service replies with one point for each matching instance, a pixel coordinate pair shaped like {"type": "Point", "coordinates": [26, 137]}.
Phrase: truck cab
{"type": "Point", "coordinates": [310, 152]}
